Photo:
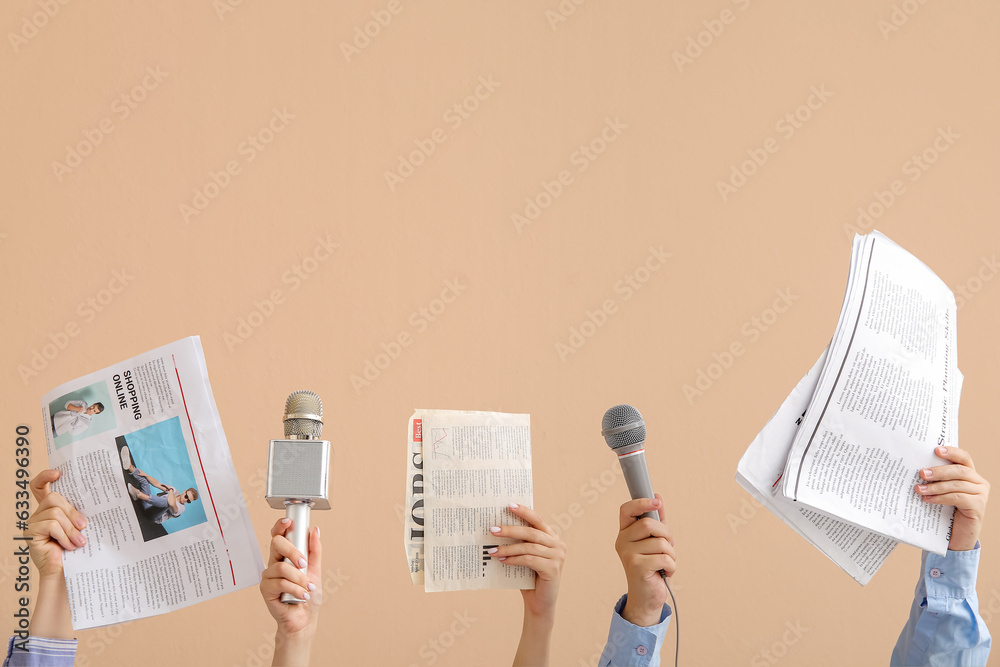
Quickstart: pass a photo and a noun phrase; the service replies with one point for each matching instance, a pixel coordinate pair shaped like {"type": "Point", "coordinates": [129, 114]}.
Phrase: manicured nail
{"type": "Point", "coordinates": [922, 488]}
{"type": "Point", "coordinates": [927, 473]}
{"type": "Point", "coordinates": [494, 530]}
{"type": "Point", "coordinates": [286, 520]}
{"type": "Point", "coordinates": [493, 550]}
{"type": "Point", "coordinates": [656, 502]}
{"type": "Point", "coordinates": [305, 596]}
{"type": "Point", "coordinates": [943, 450]}
{"type": "Point", "coordinates": [302, 562]}
{"type": "Point", "coordinates": [317, 531]}
{"type": "Point", "coordinates": [312, 586]}
{"type": "Point", "coordinates": [80, 522]}
{"type": "Point", "coordinates": [513, 506]}
{"type": "Point", "coordinates": [502, 558]}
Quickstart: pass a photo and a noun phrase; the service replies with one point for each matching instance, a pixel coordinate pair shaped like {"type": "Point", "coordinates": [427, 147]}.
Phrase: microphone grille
{"type": "Point", "coordinates": [622, 426]}
{"type": "Point", "coordinates": [303, 415]}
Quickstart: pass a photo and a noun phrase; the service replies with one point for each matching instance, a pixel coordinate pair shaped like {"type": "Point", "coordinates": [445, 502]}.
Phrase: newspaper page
{"type": "Point", "coordinates": [474, 465]}
{"type": "Point", "coordinates": [860, 553]}
{"type": "Point", "coordinates": [143, 456]}
{"type": "Point", "coordinates": [885, 399]}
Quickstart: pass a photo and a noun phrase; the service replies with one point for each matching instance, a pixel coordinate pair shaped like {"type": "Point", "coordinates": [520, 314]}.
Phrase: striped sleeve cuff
{"type": "Point", "coordinates": [40, 652]}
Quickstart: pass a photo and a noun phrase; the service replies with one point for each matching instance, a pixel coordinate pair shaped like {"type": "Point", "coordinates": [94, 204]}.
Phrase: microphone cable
{"type": "Point", "coordinates": [677, 625]}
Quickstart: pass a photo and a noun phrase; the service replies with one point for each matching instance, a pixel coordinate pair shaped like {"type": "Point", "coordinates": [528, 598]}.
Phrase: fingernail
{"type": "Point", "coordinates": [943, 450]}
{"type": "Point", "coordinates": [927, 473]}
{"type": "Point", "coordinates": [312, 586]}
{"type": "Point", "coordinates": [286, 520]}
{"type": "Point", "coordinates": [656, 502]}
{"type": "Point", "coordinates": [317, 531]}
{"type": "Point", "coordinates": [493, 550]}
{"type": "Point", "coordinates": [922, 487]}
{"type": "Point", "coordinates": [502, 558]}
{"type": "Point", "coordinates": [494, 530]}
{"type": "Point", "coordinates": [302, 562]}
{"type": "Point", "coordinates": [83, 540]}
{"type": "Point", "coordinates": [80, 522]}
{"type": "Point", "coordinates": [305, 596]}
{"type": "Point", "coordinates": [513, 506]}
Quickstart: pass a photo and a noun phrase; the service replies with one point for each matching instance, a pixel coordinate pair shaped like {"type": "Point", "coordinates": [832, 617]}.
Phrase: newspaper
{"type": "Point", "coordinates": [858, 552]}
{"type": "Point", "coordinates": [143, 456]}
{"type": "Point", "coordinates": [463, 469]}
{"type": "Point", "coordinates": [839, 460]}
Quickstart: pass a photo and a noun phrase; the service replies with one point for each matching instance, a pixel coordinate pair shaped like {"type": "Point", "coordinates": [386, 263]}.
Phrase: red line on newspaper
{"type": "Point", "coordinates": [198, 452]}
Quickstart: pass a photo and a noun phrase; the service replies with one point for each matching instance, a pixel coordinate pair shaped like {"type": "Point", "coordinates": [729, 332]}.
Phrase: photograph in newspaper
{"type": "Point", "coordinates": [148, 457]}
{"type": "Point", "coordinates": [81, 414]}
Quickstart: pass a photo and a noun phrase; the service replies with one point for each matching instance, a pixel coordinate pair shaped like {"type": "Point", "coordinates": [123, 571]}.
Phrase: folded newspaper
{"type": "Point", "coordinates": [463, 469]}
{"type": "Point", "coordinates": [839, 460]}
{"type": "Point", "coordinates": [143, 456]}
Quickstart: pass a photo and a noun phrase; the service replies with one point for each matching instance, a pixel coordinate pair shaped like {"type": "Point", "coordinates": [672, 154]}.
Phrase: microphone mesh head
{"type": "Point", "coordinates": [623, 415]}
{"type": "Point", "coordinates": [303, 415]}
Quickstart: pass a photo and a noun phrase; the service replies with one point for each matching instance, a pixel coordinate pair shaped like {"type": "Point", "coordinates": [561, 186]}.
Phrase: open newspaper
{"type": "Point", "coordinates": [838, 461]}
{"type": "Point", "coordinates": [143, 456]}
{"type": "Point", "coordinates": [463, 469]}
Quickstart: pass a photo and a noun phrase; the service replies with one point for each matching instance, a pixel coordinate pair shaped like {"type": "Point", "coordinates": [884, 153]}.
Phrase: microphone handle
{"type": "Point", "coordinates": [298, 512]}
{"type": "Point", "coordinates": [637, 478]}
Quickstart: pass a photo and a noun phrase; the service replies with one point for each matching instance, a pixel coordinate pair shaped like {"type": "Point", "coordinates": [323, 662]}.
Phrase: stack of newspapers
{"type": "Point", "coordinates": [839, 459]}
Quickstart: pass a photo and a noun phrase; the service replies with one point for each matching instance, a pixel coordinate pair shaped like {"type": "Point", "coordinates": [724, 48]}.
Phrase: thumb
{"type": "Point", "coordinates": [661, 510]}
{"type": "Point", "coordinates": [40, 485]}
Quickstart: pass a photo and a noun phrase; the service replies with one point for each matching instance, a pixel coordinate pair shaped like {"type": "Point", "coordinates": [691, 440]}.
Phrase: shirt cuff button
{"type": "Point", "coordinates": [935, 573]}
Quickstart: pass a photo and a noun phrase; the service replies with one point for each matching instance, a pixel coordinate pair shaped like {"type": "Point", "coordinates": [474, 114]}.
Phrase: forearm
{"type": "Point", "coordinates": [292, 650]}
{"type": "Point", "coordinates": [51, 617]}
{"type": "Point", "coordinates": [536, 637]}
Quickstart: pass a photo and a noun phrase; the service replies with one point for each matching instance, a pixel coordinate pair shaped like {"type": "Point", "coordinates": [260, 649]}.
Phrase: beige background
{"type": "Point", "coordinates": [494, 348]}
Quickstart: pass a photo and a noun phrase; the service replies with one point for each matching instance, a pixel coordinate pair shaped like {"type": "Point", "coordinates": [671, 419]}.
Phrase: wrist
{"type": "Point", "coordinates": [641, 612]}
{"type": "Point", "coordinates": [544, 620]}
{"type": "Point", "coordinates": [292, 648]}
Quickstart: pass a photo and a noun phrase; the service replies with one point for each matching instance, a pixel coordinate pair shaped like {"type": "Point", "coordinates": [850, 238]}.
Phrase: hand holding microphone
{"type": "Point", "coordinates": [298, 471]}
{"type": "Point", "coordinates": [645, 545]}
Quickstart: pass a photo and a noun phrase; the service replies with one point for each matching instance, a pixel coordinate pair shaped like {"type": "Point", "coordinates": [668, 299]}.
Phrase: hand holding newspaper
{"type": "Point", "coordinates": [463, 468]}
{"type": "Point", "coordinates": [142, 455]}
{"type": "Point", "coordinates": [839, 460]}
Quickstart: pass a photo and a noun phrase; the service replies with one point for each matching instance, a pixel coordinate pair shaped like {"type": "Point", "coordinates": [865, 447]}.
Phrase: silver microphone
{"type": "Point", "coordinates": [298, 469]}
{"type": "Point", "coordinates": [625, 432]}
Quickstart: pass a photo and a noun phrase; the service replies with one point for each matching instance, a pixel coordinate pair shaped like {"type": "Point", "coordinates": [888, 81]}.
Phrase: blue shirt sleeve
{"type": "Point", "coordinates": [40, 652]}
{"type": "Point", "coordinates": [945, 627]}
{"type": "Point", "coordinates": [630, 645]}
